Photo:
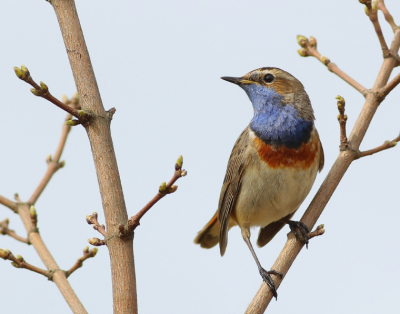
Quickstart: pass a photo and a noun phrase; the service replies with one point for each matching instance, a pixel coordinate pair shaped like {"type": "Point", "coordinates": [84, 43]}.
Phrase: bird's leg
{"type": "Point", "coordinates": [301, 226]}
{"type": "Point", "coordinates": [264, 274]}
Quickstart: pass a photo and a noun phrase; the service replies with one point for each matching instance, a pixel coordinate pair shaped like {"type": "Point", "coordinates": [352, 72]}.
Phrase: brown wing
{"type": "Point", "coordinates": [231, 186]}
{"type": "Point", "coordinates": [321, 154]}
{"type": "Point", "coordinates": [268, 232]}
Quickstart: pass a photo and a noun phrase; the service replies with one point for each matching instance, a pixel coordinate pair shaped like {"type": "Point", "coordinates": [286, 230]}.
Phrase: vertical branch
{"type": "Point", "coordinates": [98, 130]}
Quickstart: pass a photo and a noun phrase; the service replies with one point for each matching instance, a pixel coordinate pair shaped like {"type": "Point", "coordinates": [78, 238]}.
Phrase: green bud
{"type": "Point", "coordinates": [373, 6]}
{"type": "Point", "coordinates": [24, 68]}
{"type": "Point", "coordinates": [183, 173]}
{"type": "Point", "coordinates": [172, 189]}
{"type": "Point", "coordinates": [94, 251]}
{"type": "Point", "coordinates": [86, 249]}
{"type": "Point", "coordinates": [48, 158]}
{"type": "Point", "coordinates": [345, 117]}
{"type": "Point", "coordinates": [44, 87]}
{"type": "Point", "coordinates": [302, 52]}
{"type": "Point", "coordinates": [89, 219]}
{"type": "Point", "coordinates": [16, 265]}
{"type": "Point", "coordinates": [82, 113]}
{"type": "Point", "coordinates": [20, 258]}
{"type": "Point", "coordinates": [18, 72]}
{"type": "Point", "coordinates": [62, 163]}
{"type": "Point", "coordinates": [338, 117]}
{"type": "Point", "coordinates": [32, 211]}
{"type": "Point", "coordinates": [36, 92]}
{"type": "Point", "coordinates": [302, 41]}
{"type": "Point", "coordinates": [340, 100]}
{"type": "Point", "coordinates": [179, 163]}
{"type": "Point", "coordinates": [4, 253]}
{"type": "Point", "coordinates": [366, 10]}
{"type": "Point", "coordinates": [163, 188]}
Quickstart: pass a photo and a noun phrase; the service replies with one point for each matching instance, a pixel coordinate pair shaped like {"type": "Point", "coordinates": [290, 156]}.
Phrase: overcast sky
{"type": "Point", "coordinates": [159, 63]}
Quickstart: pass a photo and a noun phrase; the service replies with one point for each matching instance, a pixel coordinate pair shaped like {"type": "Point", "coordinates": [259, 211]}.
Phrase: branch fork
{"type": "Point", "coordinates": [86, 254]}
{"type": "Point", "coordinates": [92, 220]}
{"type": "Point", "coordinates": [164, 189]}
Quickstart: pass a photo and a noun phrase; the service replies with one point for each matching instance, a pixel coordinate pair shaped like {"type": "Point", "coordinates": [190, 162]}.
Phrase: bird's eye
{"type": "Point", "coordinates": [269, 78]}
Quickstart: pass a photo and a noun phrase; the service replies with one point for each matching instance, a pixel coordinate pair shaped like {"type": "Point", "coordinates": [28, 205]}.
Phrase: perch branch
{"type": "Point", "coordinates": [309, 48]}
{"type": "Point", "coordinates": [292, 246]}
{"type": "Point", "coordinates": [5, 231]}
{"type": "Point", "coordinates": [19, 262]}
{"type": "Point", "coordinates": [164, 189]}
{"type": "Point", "coordinates": [86, 254]}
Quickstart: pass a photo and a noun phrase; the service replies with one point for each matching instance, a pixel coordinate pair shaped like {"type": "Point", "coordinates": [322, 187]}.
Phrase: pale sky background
{"type": "Point", "coordinates": [159, 63]}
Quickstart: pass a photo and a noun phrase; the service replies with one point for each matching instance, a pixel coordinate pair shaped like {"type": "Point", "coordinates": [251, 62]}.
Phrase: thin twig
{"type": "Point", "coordinates": [53, 164]}
{"type": "Point", "coordinates": [380, 5]}
{"type": "Point", "coordinates": [86, 254]}
{"type": "Point", "coordinates": [342, 118]}
{"type": "Point", "coordinates": [309, 48]}
{"type": "Point", "coordinates": [19, 262]}
{"type": "Point", "coordinates": [8, 203]}
{"type": "Point", "coordinates": [92, 220]}
{"type": "Point", "coordinates": [320, 230]}
{"type": "Point", "coordinates": [164, 189]}
{"type": "Point", "coordinates": [384, 146]}
{"type": "Point", "coordinates": [372, 12]}
{"type": "Point", "coordinates": [43, 91]}
{"type": "Point", "coordinates": [5, 231]}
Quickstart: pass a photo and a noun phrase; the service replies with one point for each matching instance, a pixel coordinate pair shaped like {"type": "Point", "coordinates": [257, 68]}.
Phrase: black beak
{"type": "Point", "coordinates": [234, 80]}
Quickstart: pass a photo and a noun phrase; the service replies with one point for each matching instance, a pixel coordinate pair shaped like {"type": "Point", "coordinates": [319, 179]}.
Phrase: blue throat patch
{"type": "Point", "coordinates": [275, 123]}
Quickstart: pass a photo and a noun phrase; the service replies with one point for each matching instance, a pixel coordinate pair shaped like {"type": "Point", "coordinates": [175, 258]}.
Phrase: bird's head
{"type": "Point", "coordinates": [273, 86]}
{"type": "Point", "coordinates": [282, 110]}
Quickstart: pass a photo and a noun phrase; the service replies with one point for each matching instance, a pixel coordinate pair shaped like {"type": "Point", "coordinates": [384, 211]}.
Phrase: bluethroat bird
{"type": "Point", "coordinates": [272, 166]}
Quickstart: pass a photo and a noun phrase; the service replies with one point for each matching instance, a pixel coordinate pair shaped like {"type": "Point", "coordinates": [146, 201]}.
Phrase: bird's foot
{"type": "Point", "coordinates": [303, 229]}
{"type": "Point", "coordinates": [268, 280]}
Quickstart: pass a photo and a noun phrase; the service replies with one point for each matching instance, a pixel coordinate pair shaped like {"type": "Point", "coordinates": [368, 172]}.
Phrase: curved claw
{"type": "Point", "coordinates": [268, 280]}
{"type": "Point", "coordinates": [303, 229]}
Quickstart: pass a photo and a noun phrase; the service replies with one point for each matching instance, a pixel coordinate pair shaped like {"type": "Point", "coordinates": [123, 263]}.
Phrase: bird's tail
{"type": "Point", "coordinates": [208, 236]}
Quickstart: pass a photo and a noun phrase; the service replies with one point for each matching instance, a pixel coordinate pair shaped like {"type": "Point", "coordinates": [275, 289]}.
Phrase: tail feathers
{"type": "Point", "coordinates": [208, 236]}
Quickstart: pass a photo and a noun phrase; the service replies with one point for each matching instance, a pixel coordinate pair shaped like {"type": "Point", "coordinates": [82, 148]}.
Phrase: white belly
{"type": "Point", "coordinates": [268, 194]}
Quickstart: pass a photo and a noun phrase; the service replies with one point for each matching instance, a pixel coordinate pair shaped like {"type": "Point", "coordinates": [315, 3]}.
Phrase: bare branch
{"type": "Point", "coordinates": [19, 262]}
{"type": "Point", "coordinates": [317, 232]}
{"type": "Point", "coordinates": [372, 13]}
{"type": "Point", "coordinates": [92, 220]}
{"type": "Point", "coordinates": [309, 48]}
{"type": "Point", "coordinates": [380, 5]}
{"type": "Point", "coordinates": [5, 231]}
{"type": "Point", "coordinates": [43, 91]}
{"type": "Point", "coordinates": [164, 189]}
{"type": "Point", "coordinates": [384, 146]}
{"type": "Point", "coordinates": [53, 164]}
{"type": "Point", "coordinates": [86, 254]}
{"type": "Point", "coordinates": [384, 91]}
{"type": "Point", "coordinates": [8, 203]}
